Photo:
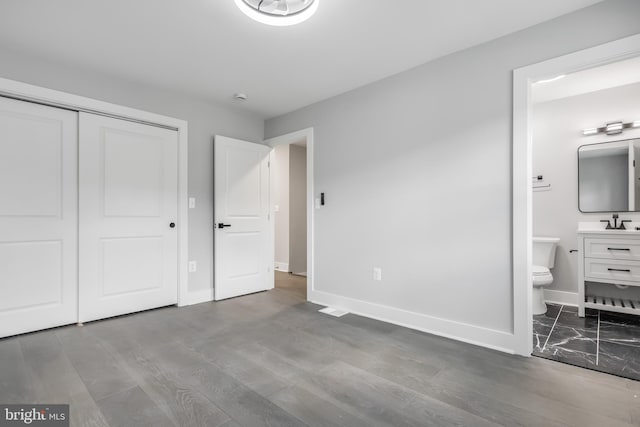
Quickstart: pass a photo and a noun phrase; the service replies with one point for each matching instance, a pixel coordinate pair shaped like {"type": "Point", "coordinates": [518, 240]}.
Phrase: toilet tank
{"type": "Point", "coordinates": [544, 251]}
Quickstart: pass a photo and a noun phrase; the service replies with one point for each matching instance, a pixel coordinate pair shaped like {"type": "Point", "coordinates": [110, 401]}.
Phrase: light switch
{"type": "Point", "coordinates": [276, 208]}
{"type": "Point", "coordinates": [192, 202]}
{"type": "Point", "coordinates": [318, 206]}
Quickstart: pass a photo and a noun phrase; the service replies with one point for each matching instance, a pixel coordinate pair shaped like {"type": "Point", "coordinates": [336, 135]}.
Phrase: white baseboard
{"type": "Point", "coordinates": [303, 274]}
{"type": "Point", "coordinates": [197, 297]}
{"type": "Point", "coordinates": [561, 297]}
{"type": "Point", "coordinates": [282, 266]}
{"type": "Point", "coordinates": [490, 338]}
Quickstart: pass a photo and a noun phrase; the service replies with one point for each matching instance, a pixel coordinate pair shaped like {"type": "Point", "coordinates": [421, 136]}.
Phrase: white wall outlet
{"type": "Point", "coordinates": [193, 266]}
{"type": "Point", "coordinates": [377, 274]}
{"type": "Point", "coordinates": [276, 208]}
{"type": "Point", "coordinates": [192, 202]}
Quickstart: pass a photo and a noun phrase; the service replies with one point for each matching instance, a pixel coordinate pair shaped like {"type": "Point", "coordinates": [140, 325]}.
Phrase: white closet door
{"type": "Point", "coordinates": [38, 217]}
{"type": "Point", "coordinates": [243, 242]}
{"type": "Point", "coordinates": [128, 211]}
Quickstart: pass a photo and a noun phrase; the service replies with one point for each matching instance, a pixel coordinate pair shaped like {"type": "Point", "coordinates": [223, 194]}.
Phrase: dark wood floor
{"type": "Point", "coordinates": [270, 359]}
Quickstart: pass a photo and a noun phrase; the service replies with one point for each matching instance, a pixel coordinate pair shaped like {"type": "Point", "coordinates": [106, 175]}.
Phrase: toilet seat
{"type": "Point", "coordinates": [539, 270]}
{"type": "Point", "coordinates": [541, 275]}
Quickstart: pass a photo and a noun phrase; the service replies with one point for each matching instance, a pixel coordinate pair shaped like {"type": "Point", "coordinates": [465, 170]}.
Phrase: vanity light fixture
{"type": "Point", "coordinates": [278, 12]}
{"type": "Point", "coordinates": [611, 128]}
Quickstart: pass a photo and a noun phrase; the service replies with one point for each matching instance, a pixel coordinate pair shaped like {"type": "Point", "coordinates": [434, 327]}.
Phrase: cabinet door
{"type": "Point", "coordinates": [38, 217]}
{"type": "Point", "coordinates": [128, 210]}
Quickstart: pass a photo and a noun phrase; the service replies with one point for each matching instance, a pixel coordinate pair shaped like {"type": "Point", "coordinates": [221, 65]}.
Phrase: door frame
{"type": "Point", "coordinates": [287, 139]}
{"type": "Point", "coordinates": [523, 78]}
{"type": "Point", "coordinates": [31, 93]}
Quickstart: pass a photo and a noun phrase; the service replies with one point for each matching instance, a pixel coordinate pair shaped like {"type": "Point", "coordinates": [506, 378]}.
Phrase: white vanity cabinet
{"type": "Point", "coordinates": [610, 259]}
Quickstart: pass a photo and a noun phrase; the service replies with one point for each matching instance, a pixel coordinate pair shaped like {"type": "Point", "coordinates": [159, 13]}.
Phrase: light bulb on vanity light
{"type": "Point", "coordinates": [591, 131]}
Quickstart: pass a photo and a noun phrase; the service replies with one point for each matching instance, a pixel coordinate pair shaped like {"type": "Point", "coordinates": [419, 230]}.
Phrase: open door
{"type": "Point", "coordinates": [243, 243]}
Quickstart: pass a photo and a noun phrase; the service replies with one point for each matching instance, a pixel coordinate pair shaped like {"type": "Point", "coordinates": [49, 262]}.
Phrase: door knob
{"type": "Point", "coordinates": [221, 225]}
{"type": "Point", "coordinates": [172, 225]}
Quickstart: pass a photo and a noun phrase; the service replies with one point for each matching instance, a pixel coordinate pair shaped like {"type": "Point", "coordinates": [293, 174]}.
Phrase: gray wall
{"type": "Point", "coordinates": [417, 172]}
{"type": "Point", "coordinates": [297, 209]}
{"type": "Point", "coordinates": [280, 169]}
{"type": "Point", "coordinates": [205, 120]}
{"type": "Point", "coordinates": [556, 138]}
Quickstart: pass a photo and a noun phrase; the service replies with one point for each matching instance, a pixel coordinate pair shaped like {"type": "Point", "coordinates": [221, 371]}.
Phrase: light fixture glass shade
{"type": "Point", "coordinates": [278, 12]}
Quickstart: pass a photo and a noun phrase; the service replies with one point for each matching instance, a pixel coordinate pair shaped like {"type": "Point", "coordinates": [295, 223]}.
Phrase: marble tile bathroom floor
{"type": "Point", "coordinates": [602, 341]}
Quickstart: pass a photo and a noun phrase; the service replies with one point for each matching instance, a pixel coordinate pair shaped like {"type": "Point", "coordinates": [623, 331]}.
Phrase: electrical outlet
{"type": "Point", "coordinates": [192, 202]}
{"type": "Point", "coordinates": [193, 266]}
{"type": "Point", "coordinates": [377, 274]}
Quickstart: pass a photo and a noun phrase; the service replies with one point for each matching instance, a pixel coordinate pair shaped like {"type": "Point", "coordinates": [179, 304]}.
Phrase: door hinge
{"type": "Point", "coordinates": [634, 163]}
{"type": "Point", "coordinates": [268, 164]}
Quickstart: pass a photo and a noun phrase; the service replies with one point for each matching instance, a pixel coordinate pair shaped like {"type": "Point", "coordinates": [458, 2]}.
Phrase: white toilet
{"type": "Point", "coordinates": [544, 256]}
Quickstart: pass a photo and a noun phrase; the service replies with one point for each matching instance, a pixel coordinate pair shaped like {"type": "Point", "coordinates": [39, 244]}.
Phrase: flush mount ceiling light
{"type": "Point", "coordinates": [278, 12]}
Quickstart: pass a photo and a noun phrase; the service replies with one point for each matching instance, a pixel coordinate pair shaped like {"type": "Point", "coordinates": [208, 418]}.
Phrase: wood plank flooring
{"type": "Point", "coordinates": [270, 359]}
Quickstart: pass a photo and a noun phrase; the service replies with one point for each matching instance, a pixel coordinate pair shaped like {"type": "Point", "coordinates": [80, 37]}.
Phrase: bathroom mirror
{"type": "Point", "coordinates": [607, 178]}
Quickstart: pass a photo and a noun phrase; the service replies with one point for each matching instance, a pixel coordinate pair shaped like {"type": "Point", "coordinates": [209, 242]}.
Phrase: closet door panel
{"type": "Point", "coordinates": [128, 199]}
{"type": "Point", "coordinates": [38, 217]}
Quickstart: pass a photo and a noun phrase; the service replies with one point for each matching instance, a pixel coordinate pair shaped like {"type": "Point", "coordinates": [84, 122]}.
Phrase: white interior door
{"type": "Point", "coordinates": [128, 201]}
{"type": "Point", "coordinates": [38, 217]}
{"type": "Point", "coordinates": [243, 241]}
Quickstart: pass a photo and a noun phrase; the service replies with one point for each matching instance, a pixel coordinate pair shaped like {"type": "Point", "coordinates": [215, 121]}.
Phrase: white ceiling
{"type": "Point", "coordinates": [210, 49]}
{"type": "Point", "coordinates": [599, 78]}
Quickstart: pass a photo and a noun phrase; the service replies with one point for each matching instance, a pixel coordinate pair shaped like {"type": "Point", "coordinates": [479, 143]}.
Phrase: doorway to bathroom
{"type": "Point", "coordinates": [292, 209]}
{"type": "Point", "coordinates": [579, 301]}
